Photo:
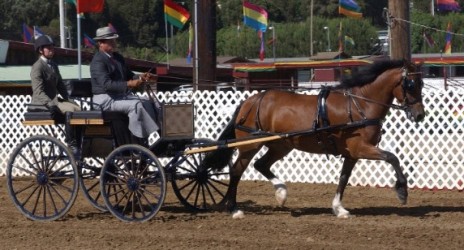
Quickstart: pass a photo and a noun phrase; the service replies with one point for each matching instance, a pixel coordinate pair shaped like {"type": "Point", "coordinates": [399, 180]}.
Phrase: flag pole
{"type": "Point", "coordinates": [432, 7]}
{"type": "Point", "coordinates": [167, 42]}
{"type": "Point", "coordinates": [62, 20]}
{"type": "Point", "coordinates": [79, 60]}
{"type": "Point", "coordinates": [195, 33]}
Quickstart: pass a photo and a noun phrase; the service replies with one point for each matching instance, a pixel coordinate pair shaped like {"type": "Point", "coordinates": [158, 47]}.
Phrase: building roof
{"type": "Point", "coordinates": [219, 60]}
{"type": "Point", "coordinates": [329, 55]}
{"type": "Point", "coordinates": [21, 74]}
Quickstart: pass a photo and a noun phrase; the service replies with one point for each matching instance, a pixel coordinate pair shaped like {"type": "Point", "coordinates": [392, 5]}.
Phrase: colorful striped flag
{"type": "Point", "coordinates": [37, 32]}
{"type": "Point", "coordinates": [190, 45]}
{"type": "Point", "coordinates": [428, 39]}
{"type": "Point", "coordinates": [27, 33]}
{"type": "Point", "coordinates": [254, 16]}
{"type": "Point", "coordinates": [89, 42]}
{"type": "Point", "coordinates": [448, 37]}
{"type": "Point", "coordinates": [175, 14]}
{"type": "Point", "coordinates": [112, 28]}
{"type": "Point", "coordinates": [261, 50]}
{"type": "Point", "coordinates": [448, 5]}
{"type": "Point", "coordinates": [349, 8]}
{"type": "Point", "coordinates": [349, 40]}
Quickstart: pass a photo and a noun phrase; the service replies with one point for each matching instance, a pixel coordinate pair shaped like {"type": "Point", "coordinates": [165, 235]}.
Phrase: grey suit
{"type": "Point", "coordinates": [46, 84]}
{"type": "Point", "coordinates": [109, 76]}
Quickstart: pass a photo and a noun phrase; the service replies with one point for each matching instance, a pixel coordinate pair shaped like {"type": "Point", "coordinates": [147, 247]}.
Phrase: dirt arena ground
{"type": "Point", "coordinates": [431, 220]}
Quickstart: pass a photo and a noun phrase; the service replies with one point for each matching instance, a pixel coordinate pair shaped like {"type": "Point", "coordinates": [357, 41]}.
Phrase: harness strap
{"type": "Point", "coordinates": [321, 115]}
{"type": "Point", "coordinates": [257, 121]}
{"type": "Point", "coordinates": [355, 124]}
{"type": "Point", "coordinates": [356, 103]}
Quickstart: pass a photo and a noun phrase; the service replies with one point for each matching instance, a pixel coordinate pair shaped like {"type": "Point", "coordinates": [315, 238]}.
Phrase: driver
{"type": "Point", "coordinates": [112, 82]}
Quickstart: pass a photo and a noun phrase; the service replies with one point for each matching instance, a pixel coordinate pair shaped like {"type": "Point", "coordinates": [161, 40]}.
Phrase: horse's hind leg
{"type": "Point", "coordinates": [263, 165]}
{"type": "Point", "coordinates": [337, 206]}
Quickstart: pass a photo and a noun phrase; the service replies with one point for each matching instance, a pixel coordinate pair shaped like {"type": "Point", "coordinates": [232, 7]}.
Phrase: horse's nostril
{"type": "Point", "coordinates": [420, 117]}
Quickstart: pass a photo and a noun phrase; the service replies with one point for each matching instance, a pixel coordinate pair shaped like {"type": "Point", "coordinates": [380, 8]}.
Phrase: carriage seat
{"type": "Point", "coordinates": [83, 89]}
{"type": "Point", "coordinates": [40, 115]}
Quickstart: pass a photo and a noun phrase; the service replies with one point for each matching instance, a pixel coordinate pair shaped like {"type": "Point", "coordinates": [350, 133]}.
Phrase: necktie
{"type": "Point", "coordinates": [117, 65]}
{"type": "Point", "coordinates": [51, 65]}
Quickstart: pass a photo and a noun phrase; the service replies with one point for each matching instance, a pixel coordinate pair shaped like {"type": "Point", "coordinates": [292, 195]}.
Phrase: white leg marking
{"type": "Point", "coordinates": [338, 208]}
{"type": "Point", "coordinates": [281, 191]}
{"type": "Point", "coordinates": [238, 214]}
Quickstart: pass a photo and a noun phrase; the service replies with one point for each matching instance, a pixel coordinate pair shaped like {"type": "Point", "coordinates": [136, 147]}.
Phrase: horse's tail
{"type": "Point", "coordinates": [221, 157]}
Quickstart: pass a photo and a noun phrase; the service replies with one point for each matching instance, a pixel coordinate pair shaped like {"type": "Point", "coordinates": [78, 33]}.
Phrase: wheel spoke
{"type": "Point", "coordinates": [50, 182]}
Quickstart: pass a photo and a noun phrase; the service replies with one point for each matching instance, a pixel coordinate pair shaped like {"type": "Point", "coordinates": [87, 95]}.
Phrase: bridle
{"type": "Point", "coordinates": [407, 86]}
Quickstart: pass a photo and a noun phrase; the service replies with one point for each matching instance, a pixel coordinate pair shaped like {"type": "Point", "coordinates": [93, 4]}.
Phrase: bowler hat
{"type": "Point", "coordinates": [105, 33]}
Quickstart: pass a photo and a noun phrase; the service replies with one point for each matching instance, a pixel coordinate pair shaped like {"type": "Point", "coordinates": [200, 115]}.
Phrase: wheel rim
{"type": "Point", "coordinates": [197, 188]}
{"type": "Point", "coordinates": [90, 182]}
{"type": "Point", "coordinates": [133, 184]}
{"type": "Point", "coordinates": [42, 178]}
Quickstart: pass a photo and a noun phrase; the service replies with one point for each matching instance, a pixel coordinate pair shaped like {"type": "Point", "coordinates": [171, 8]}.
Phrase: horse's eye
{"type": "Point", "coordinates": [408, 85]}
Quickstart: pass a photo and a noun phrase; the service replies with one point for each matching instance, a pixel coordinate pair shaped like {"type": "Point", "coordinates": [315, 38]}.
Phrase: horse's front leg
{"type": "Point", "coordinates": [374, 153]}
{"type": "Point", "coordinates": [345, 174]}
{"type": "Point", "coordinates": [401, 186]}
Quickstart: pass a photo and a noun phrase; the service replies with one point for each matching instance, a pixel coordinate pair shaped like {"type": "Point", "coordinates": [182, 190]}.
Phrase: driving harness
{"type": "Point", "coordinates": [321, 123]}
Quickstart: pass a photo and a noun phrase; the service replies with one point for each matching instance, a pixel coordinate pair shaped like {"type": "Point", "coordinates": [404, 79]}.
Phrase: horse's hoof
{"type": "Point", "coordinates": [238, 214]}
{"type": "Point", "coordinates": [402, 193]}
{"type": "Point", "coordinates": [346, 215]}
{"type": "Point", "coordinates": [281, 196]}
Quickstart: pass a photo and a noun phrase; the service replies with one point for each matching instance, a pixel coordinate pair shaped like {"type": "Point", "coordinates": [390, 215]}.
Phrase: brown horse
{"type": "Point", "coordinates": [345, 120]}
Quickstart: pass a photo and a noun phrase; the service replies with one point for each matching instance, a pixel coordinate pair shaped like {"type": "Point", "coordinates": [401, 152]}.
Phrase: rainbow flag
{"type": "Point", "coordinates": [349, 40]}
{"type": "Point", "coordinates": [448, 5]}
{"type": "Point", "coordinates": [254, 16]}
{"type": "Point", "coordinates": [349, 8]}
{"type": "Point", "coordinates": [175, 14]}
{"type": "Point", "coordinates": [27, 33]}
{"type": "Point", "coordinates": [447, 48]}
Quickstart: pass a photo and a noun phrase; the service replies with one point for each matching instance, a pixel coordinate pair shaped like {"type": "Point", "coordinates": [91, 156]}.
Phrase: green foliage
{"type": "Point", "coordinates": [438, 25]}
{"type": "Point", "coordinates": [140, 24]}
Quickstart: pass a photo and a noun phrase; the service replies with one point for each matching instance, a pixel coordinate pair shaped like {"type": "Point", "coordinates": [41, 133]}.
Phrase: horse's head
{"type": "Point", "coordinates": [408, 92]}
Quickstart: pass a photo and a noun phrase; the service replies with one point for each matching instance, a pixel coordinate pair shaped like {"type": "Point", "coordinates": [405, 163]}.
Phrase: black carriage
{"type": "Point", "coordinates": [114, 173]}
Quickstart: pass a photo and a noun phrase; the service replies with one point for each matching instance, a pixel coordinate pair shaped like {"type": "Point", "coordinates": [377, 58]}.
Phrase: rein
{"type": "Point", "coordinates": [403, 107]}
{"type": "Point", "coordinates": [394, 106]}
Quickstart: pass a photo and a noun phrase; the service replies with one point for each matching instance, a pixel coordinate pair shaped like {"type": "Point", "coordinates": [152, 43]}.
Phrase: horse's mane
{"type": "Point", "coordinates": [367, 74]}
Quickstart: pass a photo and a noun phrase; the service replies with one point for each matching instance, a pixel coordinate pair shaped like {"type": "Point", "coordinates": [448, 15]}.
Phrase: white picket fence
{"type": "Point", "coordinates": [430, 152]}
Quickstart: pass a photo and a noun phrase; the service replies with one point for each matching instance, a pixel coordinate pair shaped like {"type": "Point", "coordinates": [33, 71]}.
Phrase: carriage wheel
{"type": "Point", "coordinates": [133, 183]}
{"type": "Point", "coordinates": [42, 178]}
{"type": "Point", "coordinates": [90, 181]}
{"type": "Point", "coordinates": [197, 188]}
